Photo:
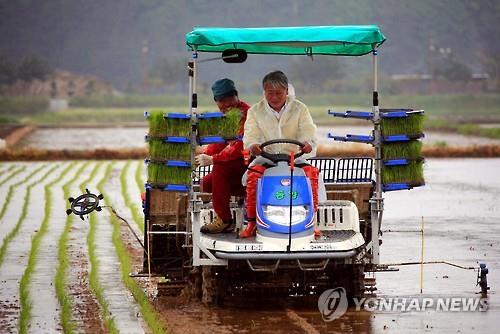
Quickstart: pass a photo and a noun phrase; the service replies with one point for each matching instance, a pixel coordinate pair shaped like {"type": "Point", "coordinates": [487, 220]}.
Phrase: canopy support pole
{"type": "Point", "coordinates": [377, 201]}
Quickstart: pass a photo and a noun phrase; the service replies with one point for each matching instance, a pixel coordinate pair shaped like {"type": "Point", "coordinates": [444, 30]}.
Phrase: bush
{"type": "Point", "coordinates": [14, 106]}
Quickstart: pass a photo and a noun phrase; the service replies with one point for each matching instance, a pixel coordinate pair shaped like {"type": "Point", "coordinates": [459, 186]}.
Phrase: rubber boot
{"type": "Point", "coordinates": [249, 231]}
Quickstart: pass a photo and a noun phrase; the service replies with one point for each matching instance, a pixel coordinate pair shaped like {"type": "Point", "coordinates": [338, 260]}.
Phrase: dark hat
{"type": "Point", "coordinates": [223, 88]}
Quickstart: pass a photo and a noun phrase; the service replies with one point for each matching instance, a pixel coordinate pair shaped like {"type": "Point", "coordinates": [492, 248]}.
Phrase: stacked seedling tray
{"type": "Point", "coordinates": [401, 131]}
{"type": "Point", "coordinates": [169, 162]}
{"type": "Point", "coordinates": [217, 127]}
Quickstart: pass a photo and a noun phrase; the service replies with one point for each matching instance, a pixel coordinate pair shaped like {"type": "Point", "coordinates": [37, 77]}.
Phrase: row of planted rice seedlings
{"type": "Point", "coordinates": [159, 126]}
{"type": "Point", "coordinates": [411, 125]}
{"type": "Point", "coordinates": [60, 280]}
{"type": "Point", "coordinates": [6, 170]}
{"type": "Point", "coordinates": [161, 151]}
{"type": "Point", "coordinates": [26, 304]}
{"type": "Point", "coordinates": [148, 313]}
{"type": "Point", "coordinates": [132, 205]}
{"type": "Point", "coordinates": [24, 211]}
{"type": "Point", "coordinates": [139, 177]}
{"type": "Point", "coordinates": [95, 285]}
{"type": "Point", "coordinates": [160, 173]}
{"type": "Point", "coordinates": [10, 192]}
{"type": "Point", "coordinates": [226, 126]}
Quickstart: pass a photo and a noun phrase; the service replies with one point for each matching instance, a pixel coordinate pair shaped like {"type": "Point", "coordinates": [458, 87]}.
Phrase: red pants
{"type": "Point", "coordinates": [256, 172]}
{"type": "Point", "coordinates": [223, 182]}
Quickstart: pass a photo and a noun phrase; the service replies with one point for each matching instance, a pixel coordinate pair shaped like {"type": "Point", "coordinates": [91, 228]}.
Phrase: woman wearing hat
{"type": "Point", "coordinates": [227, 159]}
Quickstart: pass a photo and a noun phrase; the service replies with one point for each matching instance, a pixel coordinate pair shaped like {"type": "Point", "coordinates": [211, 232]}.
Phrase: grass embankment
{"type": "Point", "coordinates": [8, 198]}
{"type": "Point", "coordinates": [25, 317]}
{"type": "Point", "coordinates": [60, 280]}
{"type": "Point", "coordinates": [95, 285]}
{"type": "Point", "coordinates": [147, 311]}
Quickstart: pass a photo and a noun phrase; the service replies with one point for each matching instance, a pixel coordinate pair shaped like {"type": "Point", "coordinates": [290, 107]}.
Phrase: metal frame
{"type": "Point", "coordinates": [376, 202]}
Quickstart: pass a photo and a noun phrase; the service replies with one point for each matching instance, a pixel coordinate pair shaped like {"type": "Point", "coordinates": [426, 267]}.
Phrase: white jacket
{"type": "Point", "coordinates": [295, 123]}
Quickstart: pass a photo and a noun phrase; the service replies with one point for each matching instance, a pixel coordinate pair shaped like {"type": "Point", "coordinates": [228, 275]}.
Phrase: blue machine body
{"type": "Point", "coordinates": [274, 189]}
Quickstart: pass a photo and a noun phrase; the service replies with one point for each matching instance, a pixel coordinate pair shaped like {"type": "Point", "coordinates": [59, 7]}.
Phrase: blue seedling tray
{"type": "Point", "coordinates": [400, 186]}
{"type": "Point", "coordinates": [177, 116]}
{"type": "Point", "coordinates": [168, 187]}
{"type": "Point", "coordinates": [384, 113]}
{"type": "Point", "coordinates": [352, 138]}
{"type": "Point", "coordinates": [216, 139]}
{"type": "Point", "coordinates": [170, 139]}
{"type": "Point", "coordinates": [352, 114]}
{"type": "Point", "coordinates": [400, 162]}
{"type": "Point", "coordinates": [398, 113]}
{"type": "Point", "coordinates": [398, 138]}
{"type": "Point", "coordinates": [169, 163]}
{"type": "Point", "coordinates": [216, 114]}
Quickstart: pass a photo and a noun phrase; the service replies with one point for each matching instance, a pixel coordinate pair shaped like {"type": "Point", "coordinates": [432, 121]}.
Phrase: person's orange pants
{"type": "Point", "coordinates": [255, 173]}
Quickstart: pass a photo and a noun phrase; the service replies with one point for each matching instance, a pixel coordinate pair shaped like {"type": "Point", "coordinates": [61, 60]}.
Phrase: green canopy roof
{"type": "Point", "coordinates": [313, 40]}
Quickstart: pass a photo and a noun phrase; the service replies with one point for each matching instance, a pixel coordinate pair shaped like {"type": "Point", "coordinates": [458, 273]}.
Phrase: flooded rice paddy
{"type": "Point", "coordinates": [459, 207]}
{"type": "Point", "coordinates": [133, 137]}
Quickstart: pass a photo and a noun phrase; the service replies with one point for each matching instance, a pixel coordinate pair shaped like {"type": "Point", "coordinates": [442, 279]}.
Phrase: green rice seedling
{"type": "Point", "coordinates": [159, 173]}
{"type": "Point", "coordinates": [413, 173]}
{"type": "Point", "coordinates": [411, 125]}
{"type": "Point", "coordinates": [8, 238]}
{"type": "Point", "coordinates": [139, 176]}
{"type": "Point", "coordinates": [398, 150]}
{"type": "Point", "coordinates": [227, 126]}
{"type": "Point", "coordinates": [63, 262]}
{"type": "Point", "coordinates": [150, 316]}
{"type": "Point", "coordinates": [210, 126]}
{"type": "Point", "coordinates": [180, 127]}
{"type": "Point", "coordinates": [157, 124]}
{"type": "Point", "coordinates": [26, 305]}
{"type": "Point", "coordinates": [231, 123]}
{"type": "Point", "coordinates": [161, 151]}
{"type": "Point", "coordinates": [94, 281]}
{"type": "Point", "coordinates": [11, 175]}
{"type": "Point", "coordinates": [134, 206]}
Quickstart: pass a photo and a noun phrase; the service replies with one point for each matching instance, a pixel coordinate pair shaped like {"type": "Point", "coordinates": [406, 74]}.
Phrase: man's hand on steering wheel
{"type": "Point", "coordinates": [307, 148]}
{"type": "Point", "coordinates": [255, 149]}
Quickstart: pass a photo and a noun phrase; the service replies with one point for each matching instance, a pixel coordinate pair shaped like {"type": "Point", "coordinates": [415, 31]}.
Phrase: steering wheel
{"type": "Point", "coordinates": [276, 157]}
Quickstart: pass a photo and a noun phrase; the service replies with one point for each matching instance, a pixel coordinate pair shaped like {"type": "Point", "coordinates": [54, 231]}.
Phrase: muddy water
{"type": "Point", "coordinates": [92, 138]}
{"type": "Point", "coordinates": [461, 214]}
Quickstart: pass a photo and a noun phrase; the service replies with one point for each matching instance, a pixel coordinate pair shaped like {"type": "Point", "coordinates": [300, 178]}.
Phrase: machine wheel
{"type": "Point", "coordinates": [351, 277]}
{"type": "Point", "coordinates": [213, 285]}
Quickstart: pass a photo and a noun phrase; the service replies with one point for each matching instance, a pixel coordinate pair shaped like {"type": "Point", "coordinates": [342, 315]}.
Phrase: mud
{"type": "Point", "coordinates": [461, 217]}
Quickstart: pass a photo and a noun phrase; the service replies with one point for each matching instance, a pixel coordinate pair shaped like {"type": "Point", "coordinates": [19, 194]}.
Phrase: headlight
{"type": "Point", "coordinates": [281, 214]}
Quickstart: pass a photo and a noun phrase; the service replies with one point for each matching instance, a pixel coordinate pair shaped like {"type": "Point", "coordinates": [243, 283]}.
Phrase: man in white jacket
{"type": "Point", "coordinates": [277, 116]}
